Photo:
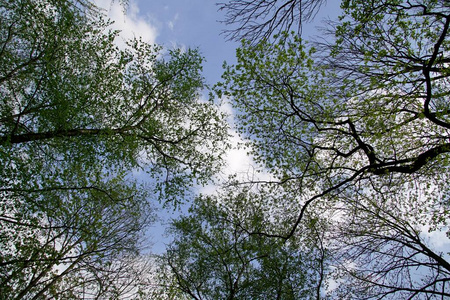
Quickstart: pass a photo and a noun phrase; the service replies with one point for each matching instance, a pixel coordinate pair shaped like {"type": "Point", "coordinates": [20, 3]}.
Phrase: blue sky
{"type": "Point", "coordinates": [173, 24]}
{"type": "Point", "coordinates": [194, 24]}
{"type": "Point", "coordinates": [188, 24]}
{"type": "Point", "coordinates": [176, 23]}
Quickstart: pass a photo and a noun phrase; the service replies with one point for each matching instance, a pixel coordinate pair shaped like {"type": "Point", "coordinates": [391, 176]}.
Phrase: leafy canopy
{"type": "Point", "coordinates": [79, 117]}
{"type": "Point", "coordinates": [356, 127]}
{"type": "Point", "coordinates": [215, 255]}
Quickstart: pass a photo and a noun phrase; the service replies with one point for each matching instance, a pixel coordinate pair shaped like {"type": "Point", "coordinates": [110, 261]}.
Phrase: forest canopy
{"type": "Point", "coordinates": [350, 131]}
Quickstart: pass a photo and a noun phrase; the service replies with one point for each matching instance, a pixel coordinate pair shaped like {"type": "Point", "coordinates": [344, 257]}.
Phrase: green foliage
{"type": "Point", "coordinates": [268, 79]}
{"type": "Point", "coordinates": [218, 254]}
{"type": "Point", "coordinates": [78, 115]}
{"type": "Point", "coordinates": [358, 129]}
{"type": "Point", "coordinates": [70, 84]}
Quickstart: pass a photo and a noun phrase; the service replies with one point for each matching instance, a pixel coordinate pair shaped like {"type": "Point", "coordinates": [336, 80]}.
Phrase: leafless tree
{"type": "Point", "coordinates": [382, 251]}
{"type": "Point", "coordinates": [261, 19]}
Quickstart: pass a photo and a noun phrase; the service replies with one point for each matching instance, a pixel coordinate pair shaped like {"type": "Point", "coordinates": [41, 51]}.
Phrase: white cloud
{"type": "Point", "coordinates": [171, 23]}
{"type": "Point", "coordinates": [238, 160]}
{"type": "Point", "coordinates": [128, 21]}
{"type": "Point", "coordinates": [438, 239]}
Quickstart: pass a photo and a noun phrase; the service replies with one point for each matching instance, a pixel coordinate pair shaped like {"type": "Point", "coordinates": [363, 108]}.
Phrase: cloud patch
{"type": "Point", "coordinates": [128, 21]}
{"type": "Point", "coordinates": [171, 23]}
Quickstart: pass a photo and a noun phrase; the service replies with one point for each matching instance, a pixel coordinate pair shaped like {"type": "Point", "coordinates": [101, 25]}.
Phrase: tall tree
{"type": "Point", "coordinates": [215, 255]}
{"type": "Point", "coordinates": [359, 125]}
{"type": "Point", "coordinates": [77, 116]}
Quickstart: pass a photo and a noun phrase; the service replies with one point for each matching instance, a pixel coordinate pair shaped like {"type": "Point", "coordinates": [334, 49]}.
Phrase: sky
{"type": "Point", "coordinates": [176, 23]}
{"type": "Point", "coordinates": [191, 24]}
{"type": "Point", "coordinates": [187, 24]}
{"type": "Point", "coordinates": [196, 24]}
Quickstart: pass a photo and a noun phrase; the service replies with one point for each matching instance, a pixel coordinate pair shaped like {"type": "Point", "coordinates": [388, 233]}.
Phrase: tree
{"type": "Point", "coordinates": [390, 253]}
{"type": "Point", "coordinates": [78, 116]}
{"type": "Point", "coordinates": [58, 240]}
{"type": "Point", "coordinates": [262, 19]}
{"type": "Point", "coordinates": [214, 256]}
{"type": "Point", "coordinates": [359, 125]}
